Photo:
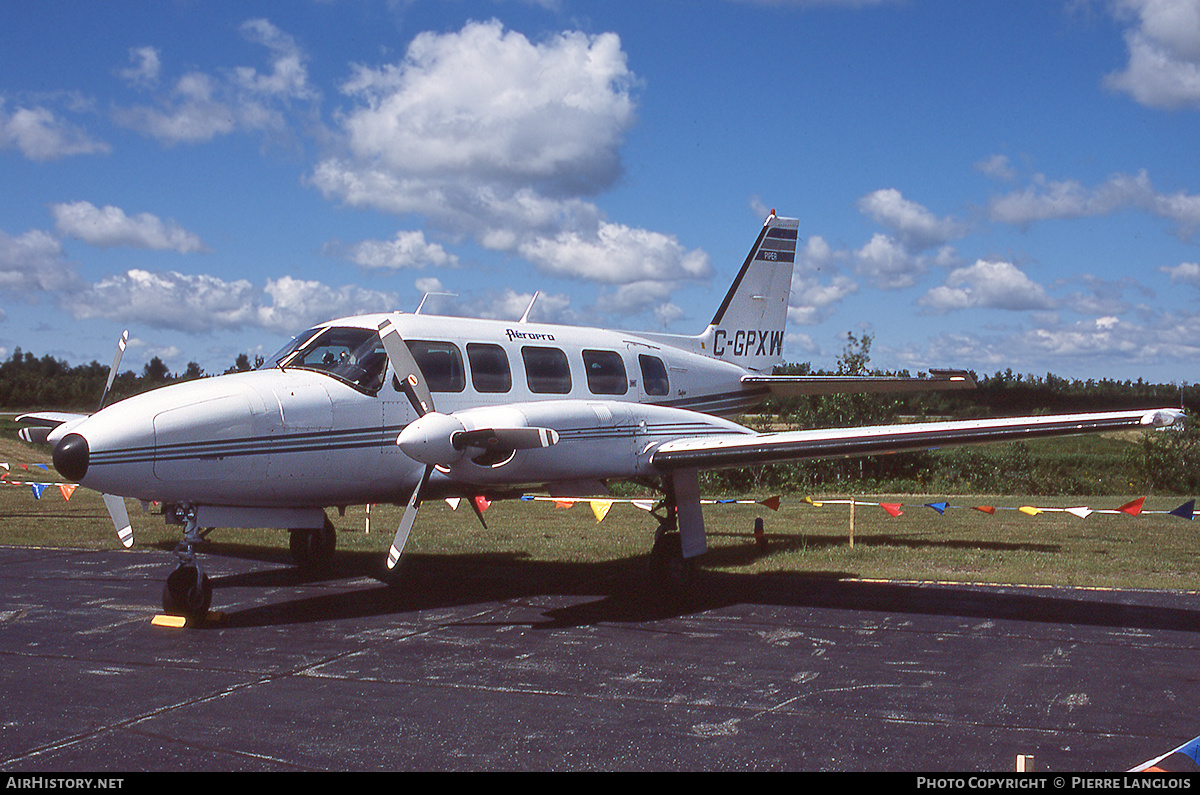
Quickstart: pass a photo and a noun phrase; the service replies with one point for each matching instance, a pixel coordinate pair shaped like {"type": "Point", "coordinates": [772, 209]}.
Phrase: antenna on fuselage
{"type": "Point", "coordinates": [529, 308]}
{"type": "Point", "coordinates": [423, 298]}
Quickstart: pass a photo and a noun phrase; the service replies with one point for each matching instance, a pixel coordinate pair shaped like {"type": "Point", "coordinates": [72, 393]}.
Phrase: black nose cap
{"type": "Point", "coordinates": [71, 457]}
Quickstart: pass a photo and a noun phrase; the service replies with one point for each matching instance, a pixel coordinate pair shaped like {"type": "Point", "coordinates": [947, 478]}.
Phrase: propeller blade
{"type": "Point", "coordinates": [407, 521]}
{"type": "Point", "coordinates": [112, 371]}
{"type": "Point", "coordinates": [412, 381]}
{"type": "Point", "coordinates": [120, 518]}
{"type": "Point", "coordinates": [494, 439]}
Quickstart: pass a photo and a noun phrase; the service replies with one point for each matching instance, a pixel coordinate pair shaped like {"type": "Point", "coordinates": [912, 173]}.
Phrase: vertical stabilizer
{"type": "Point", "coordinates": [748, 328]}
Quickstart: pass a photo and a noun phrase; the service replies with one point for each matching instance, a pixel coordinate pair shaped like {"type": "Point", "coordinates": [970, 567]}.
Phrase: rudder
{"type": "Point", "coordinates": [748, 328]}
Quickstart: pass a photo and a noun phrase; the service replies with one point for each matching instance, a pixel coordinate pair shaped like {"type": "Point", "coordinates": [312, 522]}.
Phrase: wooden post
{"type": "Point", "coordinates": [852, 521]}
{"type": "Point", "coordinates": [1024, 763]}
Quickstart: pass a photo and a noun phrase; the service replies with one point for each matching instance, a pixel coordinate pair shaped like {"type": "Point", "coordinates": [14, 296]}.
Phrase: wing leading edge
{"type": "Point", "coordinates": [713, 452]}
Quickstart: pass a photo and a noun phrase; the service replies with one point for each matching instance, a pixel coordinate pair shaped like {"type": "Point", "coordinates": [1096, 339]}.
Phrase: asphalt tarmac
{"type": "Point", "coordinates": [498, 663]}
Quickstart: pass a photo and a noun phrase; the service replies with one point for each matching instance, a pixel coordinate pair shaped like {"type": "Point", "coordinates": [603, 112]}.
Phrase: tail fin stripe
{"type": "Point", "coordinates": [717, 318]}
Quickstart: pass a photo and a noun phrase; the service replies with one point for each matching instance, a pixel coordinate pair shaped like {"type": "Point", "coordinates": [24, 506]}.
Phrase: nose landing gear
{"type": "Point", "coordinates": [188, 591]}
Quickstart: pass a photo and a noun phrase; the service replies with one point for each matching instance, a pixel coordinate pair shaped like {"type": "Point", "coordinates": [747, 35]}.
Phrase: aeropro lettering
{"type": "Point", "coordinates": [748, 342]}
{"type": "Point", "coordinates": [525, 335]}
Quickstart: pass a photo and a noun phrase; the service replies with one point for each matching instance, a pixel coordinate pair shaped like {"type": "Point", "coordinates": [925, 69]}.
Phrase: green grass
{"type": "Point", "coordinates": [1154, 551]}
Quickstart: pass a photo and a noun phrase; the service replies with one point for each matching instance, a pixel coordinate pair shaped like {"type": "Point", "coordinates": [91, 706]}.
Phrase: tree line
{"type": "Point", "coordinates": [28, 382]}
{"type": "Point", "coordinates": [1166, 461]}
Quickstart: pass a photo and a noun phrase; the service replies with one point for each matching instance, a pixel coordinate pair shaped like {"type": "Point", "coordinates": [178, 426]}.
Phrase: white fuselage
{"type": "Point", "coordinates": [301, 437]}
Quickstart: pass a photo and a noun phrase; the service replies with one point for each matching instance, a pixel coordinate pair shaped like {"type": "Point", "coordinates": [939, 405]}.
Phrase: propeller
{"type": "Point", "coordinates": [115, 503]}
{"type": "Point", "coordinates": [412, 382]}
{"type": "Point", "coordinates": [436, 439]}
{"type": "Point", "coordinates": [112, 371]}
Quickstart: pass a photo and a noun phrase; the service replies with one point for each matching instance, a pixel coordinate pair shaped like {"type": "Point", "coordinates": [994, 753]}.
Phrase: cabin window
{"type": "Point", "coordinates": [353, 355]}
{"type": "Point", "coordinates": [605, 373]}
{"type": "Point", "coordinates": [654, 375]}
{"type": "Point", "coordinates": [489, 367]}
{"type": "Point", "coordinates": [546, 370]}
{"type": "Point", "coordinates": [441, 363]}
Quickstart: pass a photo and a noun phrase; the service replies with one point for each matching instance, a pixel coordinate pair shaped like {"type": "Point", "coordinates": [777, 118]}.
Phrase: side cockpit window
{"type": "Point", "coordinates": [441, 363]}
{"type": "Point", "coordinates": [352, 355]}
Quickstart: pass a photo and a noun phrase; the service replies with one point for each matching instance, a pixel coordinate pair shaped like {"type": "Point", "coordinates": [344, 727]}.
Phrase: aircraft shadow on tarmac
{"type": "Point", "coordinates": [619, 592]}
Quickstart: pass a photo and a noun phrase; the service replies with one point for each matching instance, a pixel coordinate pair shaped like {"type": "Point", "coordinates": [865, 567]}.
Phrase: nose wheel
{"type": "Point", "coordinates": [188, 593]}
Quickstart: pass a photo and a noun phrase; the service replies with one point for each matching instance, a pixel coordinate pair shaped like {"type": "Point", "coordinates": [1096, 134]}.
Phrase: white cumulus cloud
{"type": "Point", "coordinates": [987, 284]}
{"type": "Point", "coordinates": [486, 133]}
{"type": "Point", "coordinates": [1164, 53]}
{"type": "Point", "coordinates": [109, 227]}
{"type": "Point", "coordinates": [408, 249]}
{"type": "Point", "coordinates": [39, 134]}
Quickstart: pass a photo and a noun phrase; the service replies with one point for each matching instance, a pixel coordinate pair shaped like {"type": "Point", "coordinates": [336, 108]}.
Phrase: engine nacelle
{"type": "Point", "coordinates": [582, 440]}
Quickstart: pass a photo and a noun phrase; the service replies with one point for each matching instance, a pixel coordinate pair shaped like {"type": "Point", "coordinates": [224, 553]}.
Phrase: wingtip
{"type": "Point", "coordinates": [1162, 418]}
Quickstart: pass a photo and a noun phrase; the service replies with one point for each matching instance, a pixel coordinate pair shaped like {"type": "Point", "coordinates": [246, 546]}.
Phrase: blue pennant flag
{"type": "Point", "coordinates": [1187, 510]}
{"type": "Point", "coordinates": [38, 488]}
{"type": "Point", "coordinates": [940, 507]}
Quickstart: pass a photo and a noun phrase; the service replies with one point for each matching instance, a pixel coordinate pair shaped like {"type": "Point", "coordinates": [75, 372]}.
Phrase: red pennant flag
{"type": "Point", "coordinates": [771, 502]}
{"type": "Point", "coordinates": [67, 489]}
{"type": "Point", "coordinates": [1133, 508]}
{"type": "Point", "coordinates": [986, 509]}
{"type": "Point", "coordinates": [482, 503]}
{"type": "Point", "coordinates": [891, 507]}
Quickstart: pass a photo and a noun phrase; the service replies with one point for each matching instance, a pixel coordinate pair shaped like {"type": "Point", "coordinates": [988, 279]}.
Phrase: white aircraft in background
{"type": "Point", "coordinates": [400, 408]}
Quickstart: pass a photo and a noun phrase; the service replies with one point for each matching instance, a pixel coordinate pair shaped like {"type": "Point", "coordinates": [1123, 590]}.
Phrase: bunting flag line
{"type": "Point", "coordinates": [1132, 508]}
{"type": "Point", "coordinates": [600, 507]}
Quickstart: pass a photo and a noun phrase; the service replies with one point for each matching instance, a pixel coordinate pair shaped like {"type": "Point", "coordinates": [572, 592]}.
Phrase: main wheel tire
{"type": "Point", "coordinates": [188, 593]}
{"type": "Point", "coordinates": [313, 549]}
{"type": "Point", "coordinates": [671, 573]}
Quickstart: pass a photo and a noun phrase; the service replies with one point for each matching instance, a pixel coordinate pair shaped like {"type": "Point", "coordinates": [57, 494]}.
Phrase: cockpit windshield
{"type": "Point", "coordinates": [353, 355]}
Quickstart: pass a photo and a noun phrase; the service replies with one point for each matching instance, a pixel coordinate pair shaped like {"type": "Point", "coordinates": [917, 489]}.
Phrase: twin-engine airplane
{"type": "Point", "coordinates": [400, 408]}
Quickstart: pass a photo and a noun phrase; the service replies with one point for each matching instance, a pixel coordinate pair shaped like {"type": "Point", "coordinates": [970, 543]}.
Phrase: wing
{"type": "Point", "coordinates": [38, 425]}
{"type": "Point", "coordinates": [717, 452]}
{"type": "Point", "coordinates": [798, 385]}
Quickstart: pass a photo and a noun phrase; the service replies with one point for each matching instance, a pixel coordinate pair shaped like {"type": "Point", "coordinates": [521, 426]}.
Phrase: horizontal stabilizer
{"type": "Point", "coordinates": [800, 385]}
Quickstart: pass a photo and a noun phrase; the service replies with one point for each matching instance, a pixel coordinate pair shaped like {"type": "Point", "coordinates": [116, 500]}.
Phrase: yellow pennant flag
{"type": "Point", "coordinates": [809, 500]}
{"type": "Point", "coordinates": [1029, 509]}
{"type": "Point", "coordinates": [600, 509]}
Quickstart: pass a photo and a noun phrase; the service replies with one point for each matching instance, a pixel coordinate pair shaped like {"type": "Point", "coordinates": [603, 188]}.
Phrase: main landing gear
{"type": "Point", "coordinates": [671, 574]}
{"type": "Point", "coordinates": [312, 548]}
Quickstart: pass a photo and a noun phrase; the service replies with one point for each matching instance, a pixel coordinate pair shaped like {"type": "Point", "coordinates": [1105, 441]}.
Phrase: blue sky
{"type": "Point", "coordinates": [986, 185]}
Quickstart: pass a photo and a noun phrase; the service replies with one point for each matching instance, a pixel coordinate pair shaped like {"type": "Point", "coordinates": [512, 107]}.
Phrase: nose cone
{"type": "Point", "coordinates": [428, 439]}
{"type": "Point", "coordinates": [71, 457]}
